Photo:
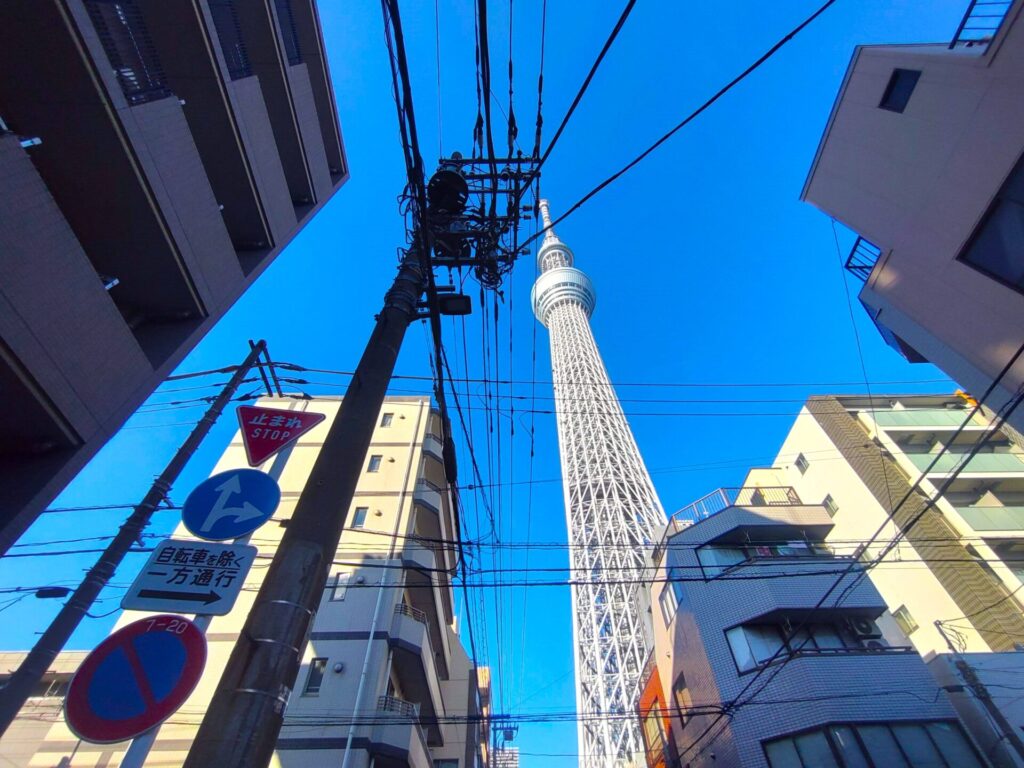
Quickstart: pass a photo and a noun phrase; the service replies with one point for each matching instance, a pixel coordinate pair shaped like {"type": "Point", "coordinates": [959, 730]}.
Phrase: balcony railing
{"type": "Point", "coordinates": [1008, 518]}
{"type": "Point", "coordinates": [399, 707]}
{"type": "Point", "coordinates": [129, 48]}
{"type": "Point", "coordinates": [723, 498]}
{"type": "Point", "coordinates": [412, 612]}
{"type": "Point", "coordinates": [862, 259]}
{"type": "Point", "coordinates": [229, 32]}
{"type": "Point", "coordinates": [996, 463]}
{"type": "Point", "coordinates": [981, 22]}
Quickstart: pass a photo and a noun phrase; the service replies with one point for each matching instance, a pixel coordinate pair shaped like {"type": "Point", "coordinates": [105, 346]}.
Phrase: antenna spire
{"type": "Point", "coordinates": [545, 213]}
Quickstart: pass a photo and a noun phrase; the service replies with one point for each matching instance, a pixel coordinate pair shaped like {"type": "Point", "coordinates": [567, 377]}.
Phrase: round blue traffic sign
{"type": "Point", "coordinates": [231, 504]}
{"type": "Point", "coordinates": [135, 679]}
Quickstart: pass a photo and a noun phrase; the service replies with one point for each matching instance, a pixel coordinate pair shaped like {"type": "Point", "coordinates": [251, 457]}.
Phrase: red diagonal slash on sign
{"type": "Point", "coordinates": [265, 431]}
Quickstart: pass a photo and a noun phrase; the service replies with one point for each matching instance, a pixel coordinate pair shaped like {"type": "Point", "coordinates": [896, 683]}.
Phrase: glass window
{"type": "Point", "coordinates": [782, 754]}
{"type": "Point", "coordinates": [740, 649]}
{"type": "Point", "coordinates": [830, 505]}
{"type": "Point", "coordinates": [953, 745]}
{"type": "Point", "coordinates": [846, 745]}
{"type": "Point", "coordinates": [717, 559]}
{"type": "Point", "coordinates": [359, 517]}
{"type": "Point", "coordinates": [386, 419]}
{"type": "Point", "coordinates": [901, 86]}
{"type": "Point", "coordinates": [668, 604]}
{"type": "Point", "coordinates": [801, 463]}
{"type": "Point", "coordinates": [996, 247]}
{"type": "Point", "coordinates": [814, 750]}
{"type": "Point", "coordinates": [765, 641]}
{"type": "Point", "coordinates": [315, 678]}
{"type": "Point", "coordinates": [826, 636]}
{"type": "Point", "coordinates": [340, 586]}
{"type": "Point", "coordinates": [684, 702]}
{"type": "Point", "coordinates": [905, 620]}
{"type": "Point", "coordinates": [653, 734]}
{"type": "Point", "coordinates": [881, 746]}
{"type": "Point", "coordinates": [917, 746]}
{"type": "Point", "coordinates": [374, 463]}
{"type": "Point", "coordinates": [446, 764]}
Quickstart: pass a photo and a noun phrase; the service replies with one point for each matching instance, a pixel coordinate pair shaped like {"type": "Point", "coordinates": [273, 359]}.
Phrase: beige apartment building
{"type": "Point", "coordinates": [387, 617]}
{"type": "Point", "coordinates": [921, 157]}
{"type": "Point", "coordinates": [962, 563]}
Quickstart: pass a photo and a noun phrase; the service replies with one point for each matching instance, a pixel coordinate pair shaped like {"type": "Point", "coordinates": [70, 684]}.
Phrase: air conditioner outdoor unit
{"type": "Point", "coordinates": [864, 629]}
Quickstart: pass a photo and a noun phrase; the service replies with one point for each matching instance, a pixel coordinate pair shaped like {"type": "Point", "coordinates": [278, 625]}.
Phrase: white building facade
{"type": "Point", "coordinates": [385, 676]}
{"type": "Point", "coordinates": [921, 157]}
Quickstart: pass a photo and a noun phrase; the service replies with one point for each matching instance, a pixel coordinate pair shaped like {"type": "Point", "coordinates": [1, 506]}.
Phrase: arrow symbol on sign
{"type": "Point", "coordinates": [245, 512]}
{"type": "Point", "coordinates": [169, 594]}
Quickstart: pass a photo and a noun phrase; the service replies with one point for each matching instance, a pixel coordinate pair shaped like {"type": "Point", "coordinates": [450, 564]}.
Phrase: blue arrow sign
{"type": "Point", "coordinates": [230, 504]}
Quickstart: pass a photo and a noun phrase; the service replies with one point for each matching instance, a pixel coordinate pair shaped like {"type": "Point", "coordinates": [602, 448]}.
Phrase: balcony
{"type": "Point", "coordinates": [416, 664]}
{"type": "Point", "coordinates": [398, 739]}
{"type": "Point", "coordinates": [993, 518]}
{"type": "Point", "coordinates": [862, 259]}
{"type": "Point", "coordinates": [432, 444]}
{"type": "Point", "coordinates": [926, 418]}
{"type": "Point", "coordinates": [982, 463]}
{"type": "Point", "coordinates": [980, 23]}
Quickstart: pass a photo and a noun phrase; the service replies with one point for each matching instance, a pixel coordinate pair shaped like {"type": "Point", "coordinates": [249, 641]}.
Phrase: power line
{"type": "Point", "coordinates": [689, 118]}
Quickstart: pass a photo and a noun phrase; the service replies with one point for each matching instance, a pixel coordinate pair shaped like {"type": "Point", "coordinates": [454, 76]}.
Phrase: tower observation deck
{"type": "Point", "coordinates": [612, 514]}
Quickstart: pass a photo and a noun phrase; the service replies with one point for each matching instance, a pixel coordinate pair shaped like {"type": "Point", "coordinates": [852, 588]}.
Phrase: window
{"type": "Point", "coordinates": [315, 678]}
{"type": "Point", "coordinates": [754, 644]}
{"type": "Point", "coordinates": [386, 419]}
{"type": "Point", "coordinates": [683, 701]}
{"type": "Point", "coordinates": [717, 560]}
{"type": "Point", "coordinates": [359, 517]}
{"type": "Point", "coordinates": [996, 245]}
{"type": "Point", "coordinates": [340, 586]}
{"type": "Point", "coordinates": [801, 463]}
{"type": "Point", "coordinates": [893, 745]}
{"type": "Point", "coordinates": [905, 620]}
{"type": "Point", "coordinates": [446, 764]}
{"type": "Point", "coordinates": [830, 505]}
{"type": "Point", "coordinates": [668, 604]}
{"type": "Point", "coordinates": [654, 733]}
{"type": "Point", "coordinates": [897, 92]}
{"type": "Point", "coordinates": [374, 463]}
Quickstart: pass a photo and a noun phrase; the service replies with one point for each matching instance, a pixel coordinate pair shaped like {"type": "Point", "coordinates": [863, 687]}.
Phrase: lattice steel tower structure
{"type": "Point", "coordinates": [612, 513]}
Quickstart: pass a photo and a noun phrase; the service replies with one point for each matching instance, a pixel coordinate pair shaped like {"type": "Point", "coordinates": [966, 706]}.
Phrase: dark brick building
{"type": "Point", "coordinates": [155, 157]}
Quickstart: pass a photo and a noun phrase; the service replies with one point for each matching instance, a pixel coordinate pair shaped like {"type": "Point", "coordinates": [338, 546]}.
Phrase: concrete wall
{"type": "Point", "coordinates": [917, 183]}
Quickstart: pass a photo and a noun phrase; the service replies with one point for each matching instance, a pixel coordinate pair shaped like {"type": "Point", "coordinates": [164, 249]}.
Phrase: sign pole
{"type": "Point", "coordinates": [21, 684]}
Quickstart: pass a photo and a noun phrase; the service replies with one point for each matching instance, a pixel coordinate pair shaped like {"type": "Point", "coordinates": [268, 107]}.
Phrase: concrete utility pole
{"type": "Point", "coordinates": [244, 717]}
{"type": "Point", "coordinates": [981, 693]}
{"type": "Point", "coordinates": [18, 689]}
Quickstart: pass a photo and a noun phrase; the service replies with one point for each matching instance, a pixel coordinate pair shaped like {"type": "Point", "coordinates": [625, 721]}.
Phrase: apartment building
{"type": "Point", "coordinates": [506, 757]}
{"type": "Point", "coordinates": [386, 618]}
{"type": "Point", "coordinates": [922, 158]}
{"type": "Point", "coordinates": [736, 595]}
{"type": "Point", "coordinates": [156, 157]}
{"type": "Point", "coordinates": [961, 561]}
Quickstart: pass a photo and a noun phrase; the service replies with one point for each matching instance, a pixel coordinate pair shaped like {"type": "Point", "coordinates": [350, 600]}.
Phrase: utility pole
{"type": "Point", "coordinates": [970, 676]}
{"type": "Point", "coordinates": [18, 689]}
{"type": "Point", "coordinates": [245, 715]}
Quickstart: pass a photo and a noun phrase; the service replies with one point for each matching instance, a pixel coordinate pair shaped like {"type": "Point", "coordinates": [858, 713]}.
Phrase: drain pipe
{"type": "Point", "coordinates": [364, 673]}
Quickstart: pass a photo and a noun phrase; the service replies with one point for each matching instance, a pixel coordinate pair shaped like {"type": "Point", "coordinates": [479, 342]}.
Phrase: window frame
{"type": "Point", "coordinates": [340, 586]}
{"type": "Point", "coordinates": [682, 692]}
{"type": "Point", "coordinates": [359, 520]}
{"type": "Point", "coordinates": [830, 505]}
{"type": "Point", "coordinates": [1003, 196]}
{"type": "Point", "coordinates": [376, 460]}
{"type": "Point", "coordinates": [668, 596]}
{"type": "Point", "coordinates": [386, 420]}
{"type": "Point", "coordinates": [801, 463]}
{"type": "Point", "coordinates": [855, 729]}
{"type": "Point", "coordinates": [316, 663]}
{"type": "Point", "coordinates": [906, 618]}
{"type": "Point", "coordinates": [899, 73]}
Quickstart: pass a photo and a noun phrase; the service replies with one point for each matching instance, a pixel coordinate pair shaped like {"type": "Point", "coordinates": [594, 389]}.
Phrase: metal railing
{"type": "Point", "coordinates": [229, 32]}
{"type": "Point", "coordinates": [399, 707]}
{"type": "Point", "coordinates": [981, 22]}
{"type": "Point", "coordinates": [723, 498]}
{"type": "Point", "coordinates": [286, 18]}
{"type": "Point", "coordinates": [748, 496]}
{"type": "Point", "coordinates": [862, 259]}
{"type": "Point", "coordinates": [122, 33]}
{"type": "Point", "coordinates": [412, 612]}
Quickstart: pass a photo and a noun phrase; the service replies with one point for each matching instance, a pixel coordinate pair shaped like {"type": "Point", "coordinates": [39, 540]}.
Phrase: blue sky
{"type": "Point", "coordinates": [709, 271]}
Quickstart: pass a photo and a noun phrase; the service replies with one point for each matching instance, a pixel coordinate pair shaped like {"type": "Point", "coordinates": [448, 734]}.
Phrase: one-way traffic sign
{"type": "Point", "coordinates": [191, 577]}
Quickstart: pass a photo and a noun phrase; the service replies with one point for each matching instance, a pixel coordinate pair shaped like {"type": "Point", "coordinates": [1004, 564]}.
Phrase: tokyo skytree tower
{"type": "Point", "coordinates": [611, 510]}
